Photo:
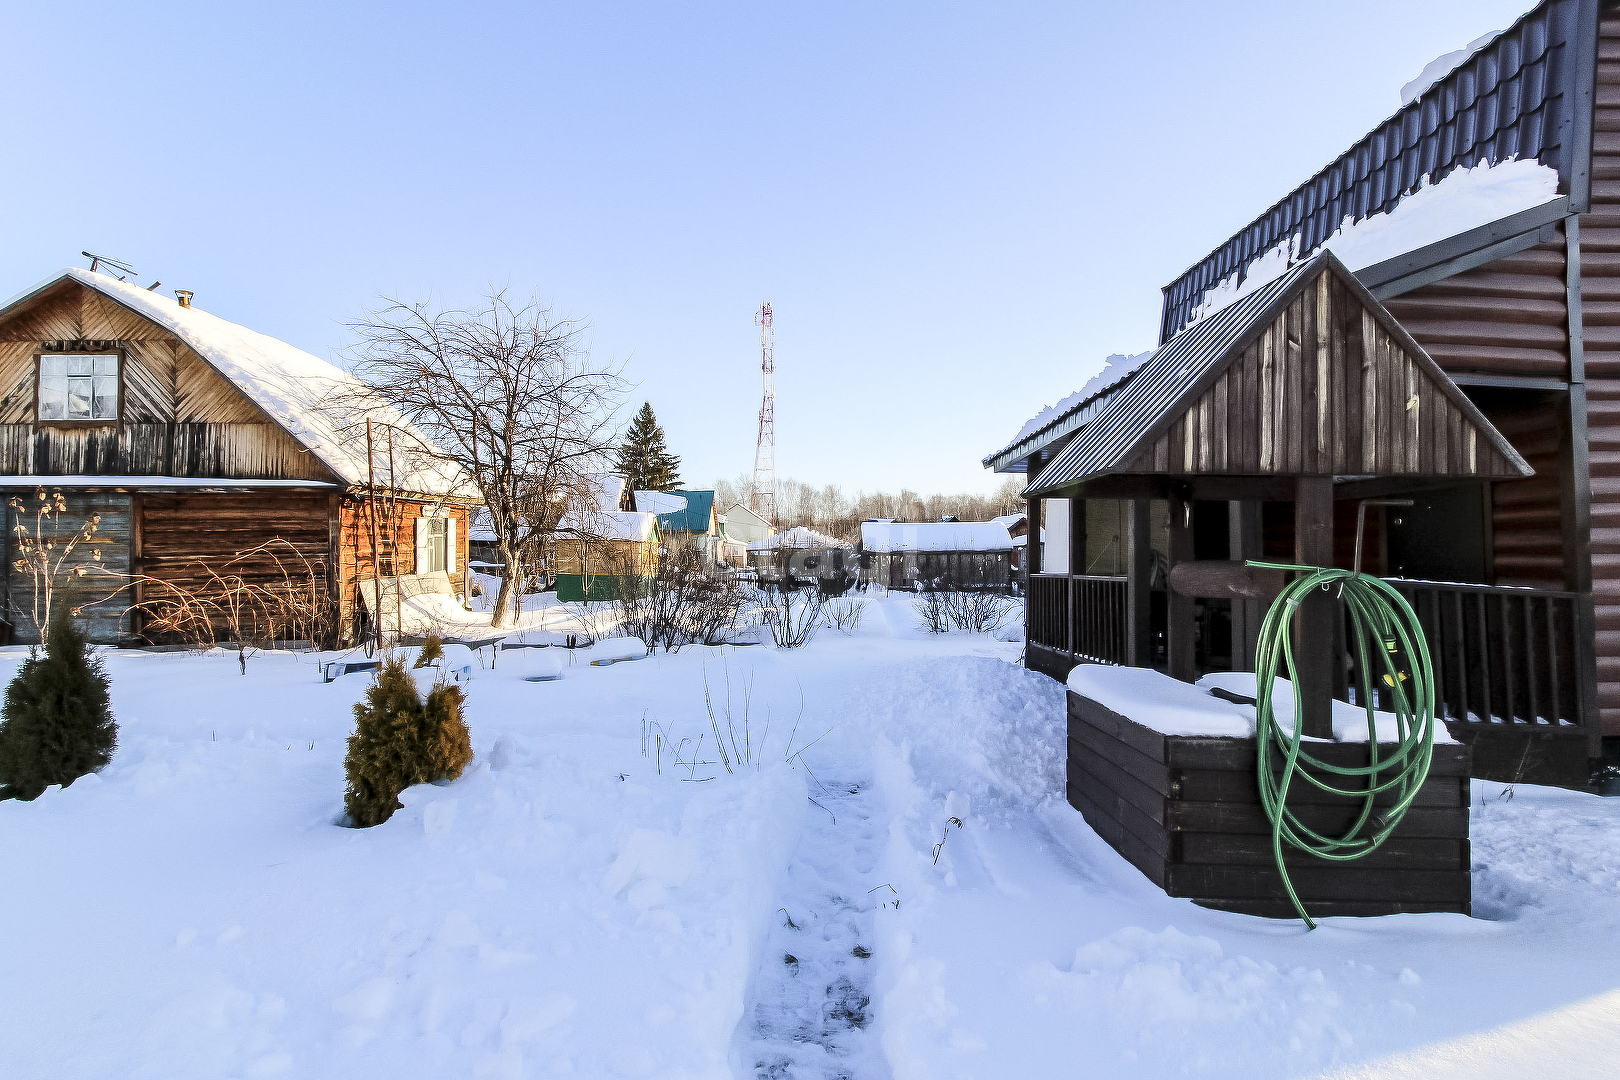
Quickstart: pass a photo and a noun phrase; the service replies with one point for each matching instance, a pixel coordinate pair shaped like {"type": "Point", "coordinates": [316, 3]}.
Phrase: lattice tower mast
{"type": "Point", "coordinates": [763, 501]}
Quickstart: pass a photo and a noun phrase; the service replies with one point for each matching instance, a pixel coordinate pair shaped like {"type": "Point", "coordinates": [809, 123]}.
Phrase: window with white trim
{"type": "Point", "coordinates": [431, 544]}
{"type": "Point", "coordinates": [78, 386]}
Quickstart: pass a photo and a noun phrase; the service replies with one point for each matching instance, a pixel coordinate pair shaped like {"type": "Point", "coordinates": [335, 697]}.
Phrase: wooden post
{"type": "Point", "coordinates": [1032, 542]}
{"type": "Point", "coordinates": [376, 556]}
{"type": "Point", "coordinates": [1178, 626]}
{"type": "Point", "coordinates": [1314, 637]}
{"type": "Point", "coordinates": [1138, 584]}
{"type": "Point", "coordinates": [1244, 543]}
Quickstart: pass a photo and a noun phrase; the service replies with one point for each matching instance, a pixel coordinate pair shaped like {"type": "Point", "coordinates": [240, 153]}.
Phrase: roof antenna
{"type": "Point", "coordinates": [124, 269]}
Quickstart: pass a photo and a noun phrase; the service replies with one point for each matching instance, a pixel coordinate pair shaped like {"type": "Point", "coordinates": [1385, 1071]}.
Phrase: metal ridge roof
{"type": "Point", "coordinates": [1069, 420]}
{"type": "Point", "coordinates": [1524, 95]}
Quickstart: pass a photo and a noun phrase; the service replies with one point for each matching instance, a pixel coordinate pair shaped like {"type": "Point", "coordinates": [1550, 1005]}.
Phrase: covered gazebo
{"type": "Point", "coordinates": [1257, 432]}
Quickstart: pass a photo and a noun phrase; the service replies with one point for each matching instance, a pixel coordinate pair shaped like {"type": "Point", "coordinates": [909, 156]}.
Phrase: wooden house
{"type": "Point", "coordinates": [934, 554]}
{"type": "Point", "coordinates": [803, 556]}
{"type": "Point", "coordinates": [197, 440]}
{"type": "Point", "coordinates": [1480, 360]}
{"type": "Point", "coordinates": [697, 523]}
{"type": "Point", "coordinates": [610, 550]}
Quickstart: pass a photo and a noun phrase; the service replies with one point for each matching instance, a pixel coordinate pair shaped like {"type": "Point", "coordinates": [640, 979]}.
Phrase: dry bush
{"type": "Point", "coordinates": [793, 615]}
{"type": "Point", "coordinates": [257, 597]}
{"type": "Point", "coordinates": [943, 607]}
{"type": "Point", "coordinates": [683, 602]}
{"type": "Point", "coordinates": [845, 614]}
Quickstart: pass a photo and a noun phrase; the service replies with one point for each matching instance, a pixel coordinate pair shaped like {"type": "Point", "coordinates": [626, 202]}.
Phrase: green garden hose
{"type": "Point", "coordinates": [1383, 623]}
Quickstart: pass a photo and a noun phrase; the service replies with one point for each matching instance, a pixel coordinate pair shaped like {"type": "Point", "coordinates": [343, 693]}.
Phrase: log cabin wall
{"type": "Point", "coordinates": [396, 543]}
{"type": "Point", "coordinates": [178, 416]}
{"type": "Point", "coordinates": [180, 538]}
{"type": "Point", "coordinates": [1600, 309]}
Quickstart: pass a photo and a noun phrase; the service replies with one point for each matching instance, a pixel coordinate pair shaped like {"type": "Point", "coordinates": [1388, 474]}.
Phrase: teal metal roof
{"type": "Point", "coordinates": [695, 518]}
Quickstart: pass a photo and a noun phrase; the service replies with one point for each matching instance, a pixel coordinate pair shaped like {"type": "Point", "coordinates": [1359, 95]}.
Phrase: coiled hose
{"type": "Point", "coordinates": [1383, 623]}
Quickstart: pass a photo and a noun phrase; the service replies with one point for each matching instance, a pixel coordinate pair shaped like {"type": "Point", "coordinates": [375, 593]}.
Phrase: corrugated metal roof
{"type": "Point", "coordinates": [1165, 380]}
{"type": "Point", "coordinates": [1014, 457]}
{"type": "Point", "coordinates": [1515, 98]}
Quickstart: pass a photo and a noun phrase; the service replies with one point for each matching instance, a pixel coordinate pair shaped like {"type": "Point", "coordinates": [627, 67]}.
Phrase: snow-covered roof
{"type": "Point", "coordinates": [611, 524]}
{"type": "Point", "coordinates": [1464, 199]}
{"type": "Point", "coordinates": [798, 538]}
{"type": "Point", "coordinates": [317, 403]}
{"type": "Point", "coordinates": [1057, 420]}
{"type": "Point", "coordinates": [1009, 520]}
{"type": "Point", "coordinates": [1444, 65]}
{"type": "Point", "coordinates": [607, 490]}
{"type": "Point", "coordinates": [935, 536]}
{"type": "Point", "coordinates": [660, 502]}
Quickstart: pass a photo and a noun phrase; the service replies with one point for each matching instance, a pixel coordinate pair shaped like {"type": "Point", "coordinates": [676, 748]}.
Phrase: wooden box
{"type": "Point", "coordinates": [1185, 810]}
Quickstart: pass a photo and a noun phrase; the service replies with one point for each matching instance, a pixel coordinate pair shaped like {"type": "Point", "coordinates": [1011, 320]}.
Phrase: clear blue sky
{"type": "Point", "coordinates": [957, 210]}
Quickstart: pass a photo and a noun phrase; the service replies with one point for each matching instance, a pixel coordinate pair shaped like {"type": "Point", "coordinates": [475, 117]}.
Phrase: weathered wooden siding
{"type": "Point", "coordinates": [1508, 317]}
{"type": "Point", "coordinates": [1325, 390]}
{"type": "Point", "coordinates": [617, 557]}
{"type": "Point", "coordinates": [179, 417]}
{"type": "Point", "coordinates": [101, 593]}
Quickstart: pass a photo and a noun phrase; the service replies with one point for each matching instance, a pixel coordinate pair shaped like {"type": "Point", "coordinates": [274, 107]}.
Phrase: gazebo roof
{"type": "Point", "coordinates": [1308, 376]}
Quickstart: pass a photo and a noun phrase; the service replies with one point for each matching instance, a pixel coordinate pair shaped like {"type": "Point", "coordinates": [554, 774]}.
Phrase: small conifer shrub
{"type": "Point", "coordinates": [432, 649]}
{"type": "Point", "coordinates": [56, 723]}
{"type": "Point", "coordinates": [399, 740]}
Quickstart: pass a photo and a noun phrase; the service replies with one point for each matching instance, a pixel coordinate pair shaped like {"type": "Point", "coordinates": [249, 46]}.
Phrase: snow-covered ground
{"type": "Point", "coordinates": [581, 904]}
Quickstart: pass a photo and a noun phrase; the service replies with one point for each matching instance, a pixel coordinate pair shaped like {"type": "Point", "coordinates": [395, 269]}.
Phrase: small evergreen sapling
{"type": "Point", "coordinates": [399, 740]}
{"type": "Point", "coordinates": [432, 650]}
{"type": "Point", "coordinates": [56, 724]}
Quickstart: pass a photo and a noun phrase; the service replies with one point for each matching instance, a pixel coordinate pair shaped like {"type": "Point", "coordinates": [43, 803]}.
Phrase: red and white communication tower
{"type": "Point", "coordinates": [763, 501]}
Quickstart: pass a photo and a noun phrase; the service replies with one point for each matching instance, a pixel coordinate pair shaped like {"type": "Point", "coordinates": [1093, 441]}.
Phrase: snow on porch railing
{"type": "Point", "coordinates": [1506, 655]}
{"type": "Point", "coordinates": [1082, 616]}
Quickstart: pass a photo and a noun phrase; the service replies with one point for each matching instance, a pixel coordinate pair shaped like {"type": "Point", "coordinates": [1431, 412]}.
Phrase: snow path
{"type": "Point", "coordinates": [810, 1013]}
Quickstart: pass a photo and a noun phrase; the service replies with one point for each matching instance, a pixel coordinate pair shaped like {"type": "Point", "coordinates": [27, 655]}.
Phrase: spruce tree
{"type": "Point", "coordinates": [644, 461]}
{"type": "Point", "coordinates": [56, 724]}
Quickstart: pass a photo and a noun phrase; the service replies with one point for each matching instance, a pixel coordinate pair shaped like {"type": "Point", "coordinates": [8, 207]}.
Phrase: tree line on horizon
{"type": "Point", "coordinates": [832, 510]}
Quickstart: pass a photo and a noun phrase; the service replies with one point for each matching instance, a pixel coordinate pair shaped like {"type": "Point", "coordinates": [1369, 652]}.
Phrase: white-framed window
{"type": "Point", "coordinates": [435, 545]}
{"type": "Point", "coordinates": [78, 386]}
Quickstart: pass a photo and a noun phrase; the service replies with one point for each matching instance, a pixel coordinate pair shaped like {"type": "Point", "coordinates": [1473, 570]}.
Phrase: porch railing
{"type": "Point", "coordinates": [1083, 616]}
{"type": "Point", "coordinates": [1506, 655]}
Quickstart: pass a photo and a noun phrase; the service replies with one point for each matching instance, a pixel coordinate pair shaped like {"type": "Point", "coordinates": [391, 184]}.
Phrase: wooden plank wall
{"type": "Point", "coordinates": [179, 416]}
{"type": "Point", "coordinates": [396, 543]}
{"type": "Point", "coordinates": [181, 537]}
{"type": "Point", "coordinates": [1600, 308]}
{"type": "Point", "coordinates": [104, 619]}
{"type": "Point", "coordinates": [1325, 390]}
{"type": "Point", "coordinates": [1186, 812]}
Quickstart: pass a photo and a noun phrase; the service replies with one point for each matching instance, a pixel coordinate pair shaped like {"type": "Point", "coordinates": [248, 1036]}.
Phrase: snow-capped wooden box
{"type": "Point", "coordinates": [1185, 810]}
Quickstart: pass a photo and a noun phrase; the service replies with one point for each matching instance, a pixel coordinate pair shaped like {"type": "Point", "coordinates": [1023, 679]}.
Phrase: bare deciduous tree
{"type": "Point", "coordinates": [506, 394]}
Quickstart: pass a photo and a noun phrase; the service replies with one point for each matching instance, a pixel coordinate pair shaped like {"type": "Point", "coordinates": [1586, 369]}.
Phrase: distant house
{"type": "Point", "coordinates": [802, 556]}
{"type": "Point", "coordinates": [965, 554]}
{"type": "Point", "coordinates": [744, 529]}
{"type": "Point", "coordinates": [696, 524]}
{"type": "Point", "coordinates": [198, 441]}
{"type": "Point", "coordinates": [606, 554]}
{"type": "Point", "coordinates": [1018, 528]}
